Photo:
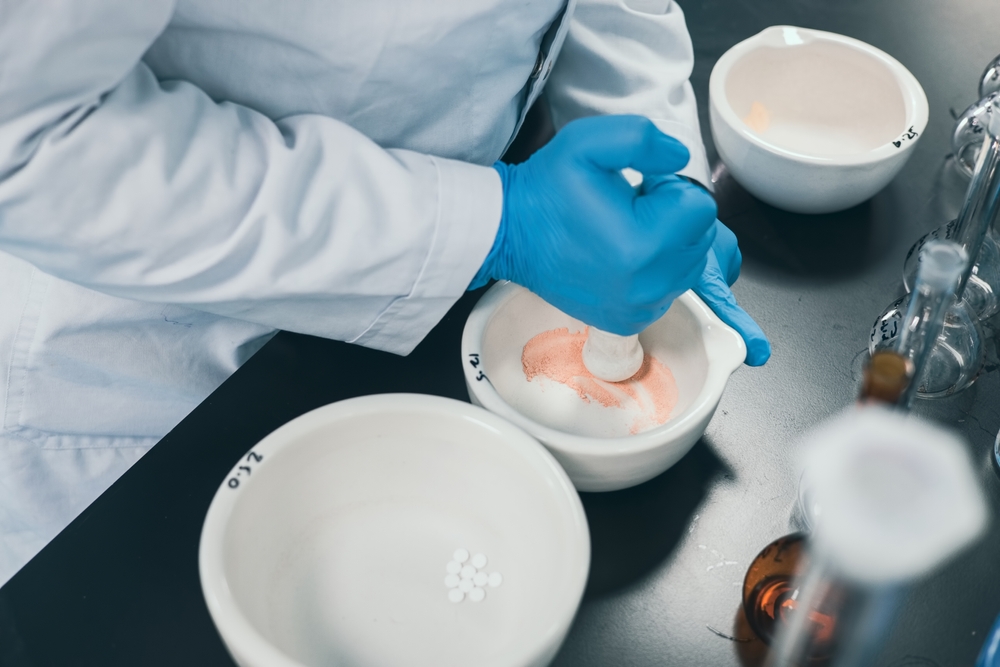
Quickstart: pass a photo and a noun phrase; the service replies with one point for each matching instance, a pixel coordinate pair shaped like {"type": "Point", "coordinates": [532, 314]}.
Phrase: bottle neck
{"type": "Point", "coordinates": [887, 380]}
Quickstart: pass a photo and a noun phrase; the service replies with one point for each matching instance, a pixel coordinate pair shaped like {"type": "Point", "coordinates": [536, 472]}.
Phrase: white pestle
{"type": "Point", "coordinates": [608, 356]}
{"type": "Point", "coordinates": [611, 357]}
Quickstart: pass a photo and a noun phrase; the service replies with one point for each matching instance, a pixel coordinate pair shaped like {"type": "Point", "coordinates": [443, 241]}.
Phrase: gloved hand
{"type": "Point", "coordinates": [721, 271]}
{"type": "Point", "coordinates": [577, 234]}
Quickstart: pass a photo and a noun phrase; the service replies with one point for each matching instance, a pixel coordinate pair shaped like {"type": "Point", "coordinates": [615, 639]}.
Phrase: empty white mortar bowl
{"type": "Point", "coordinates": [594, 443]}
{"type": "Point", "coordinates": [328, 543]}
{"type": "Point", "coordinates": [811, 121]}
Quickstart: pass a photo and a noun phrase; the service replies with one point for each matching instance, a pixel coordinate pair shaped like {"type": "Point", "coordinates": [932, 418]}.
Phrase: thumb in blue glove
{"type": "Point", "coordinates": [577, 234]}
{"type": "Point", "coordinates": [721, 270]}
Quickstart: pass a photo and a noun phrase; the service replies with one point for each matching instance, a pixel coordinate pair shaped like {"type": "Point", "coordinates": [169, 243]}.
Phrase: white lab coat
{"type": "Point", "coordinates": [180, 178]}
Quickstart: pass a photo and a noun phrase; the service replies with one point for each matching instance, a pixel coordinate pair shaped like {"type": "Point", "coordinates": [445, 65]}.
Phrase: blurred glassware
{"type": "Point", "coordinates": [989, 81]}
{"type": "Point", "coordinates": [887, 377]}
{"type": "Point", "coordinates": [989, 656]}
{"type": "Point", "coordinates": [996, 449]}
{"type": "Point", "coordinates": [767, 586]}
{"type": "Point", "coordinates": [886, 380]}
{"type": "Point", "coordinates": [906, 346]}
{"type": "Point", "coordinates": [967, 137]}
{"type": "Point", "coordinates": [900, 498]}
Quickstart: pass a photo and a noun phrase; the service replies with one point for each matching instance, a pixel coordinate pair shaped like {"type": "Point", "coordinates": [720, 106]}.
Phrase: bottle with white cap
{"type": "Point", "coordinates": [899, 498]}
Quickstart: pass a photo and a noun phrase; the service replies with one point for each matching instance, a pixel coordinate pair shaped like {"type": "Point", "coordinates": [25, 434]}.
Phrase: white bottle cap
{"type": "Point", "coordinates": [899, 496]}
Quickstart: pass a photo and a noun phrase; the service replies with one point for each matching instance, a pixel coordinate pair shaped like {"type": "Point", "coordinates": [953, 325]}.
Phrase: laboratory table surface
{"type": "Point", "coordinates": [120, 585]}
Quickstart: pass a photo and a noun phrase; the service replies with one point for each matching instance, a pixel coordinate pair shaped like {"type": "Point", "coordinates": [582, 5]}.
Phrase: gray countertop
{"type": "Point", "coordinates": [815, 284]}
{"type": "Point", "coordinates": [120, 585]}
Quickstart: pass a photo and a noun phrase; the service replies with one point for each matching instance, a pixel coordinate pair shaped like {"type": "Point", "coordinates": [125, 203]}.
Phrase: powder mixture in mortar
{"type": "Point", "coordinates": [558, 356]}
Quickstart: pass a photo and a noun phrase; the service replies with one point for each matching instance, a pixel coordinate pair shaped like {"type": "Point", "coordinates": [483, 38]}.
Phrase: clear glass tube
{"type": "Point", "coordinates": [982, 202]}
{"type": "Point", "coordinates": [977, 136]}
{"type": "Point", "coordinates": [944, 263]}
{"type": "Point", "coordinates": [932, 329]}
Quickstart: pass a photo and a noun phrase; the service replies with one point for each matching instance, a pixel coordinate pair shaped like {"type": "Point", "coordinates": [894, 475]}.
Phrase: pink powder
{"type": "Point", "coordinates": [558, 355]}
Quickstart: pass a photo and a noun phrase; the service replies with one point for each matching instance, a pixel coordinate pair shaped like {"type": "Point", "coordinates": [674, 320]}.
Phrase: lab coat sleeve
{"type": "Point", "coordinates": [152, 191]}
{"type": "Point", "coordinates": [630, 57]}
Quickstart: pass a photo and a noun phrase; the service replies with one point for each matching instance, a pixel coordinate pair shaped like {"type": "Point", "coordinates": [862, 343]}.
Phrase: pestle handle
{"type": "Point", "coordinates": [611, 357]}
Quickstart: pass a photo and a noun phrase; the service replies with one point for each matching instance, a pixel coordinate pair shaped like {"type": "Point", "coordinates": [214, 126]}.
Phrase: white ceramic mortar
{"type": "Point", "coordinates": [328, 542]}
{"type": "Point", "coordinates": [835, 121]}
{"type": "Point", "coordinates": [590, 441]}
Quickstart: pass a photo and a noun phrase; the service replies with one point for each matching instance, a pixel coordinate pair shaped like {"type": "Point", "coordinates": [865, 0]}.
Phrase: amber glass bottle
{"type": "Point", "coordinates": [887, 376]}
{"type": "Point", "coordinates": [770, 597]}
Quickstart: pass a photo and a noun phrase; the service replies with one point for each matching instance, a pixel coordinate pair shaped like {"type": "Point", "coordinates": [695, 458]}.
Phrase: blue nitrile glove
{"type": "Point", "coordinates": [721, 271]}
{"type": "Point", "coordinates": [577, 234]}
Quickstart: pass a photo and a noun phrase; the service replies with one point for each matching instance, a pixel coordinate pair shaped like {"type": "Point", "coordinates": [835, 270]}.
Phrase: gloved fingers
{"type": "Point", "coordinates": [680, 209]}
{"type": "Point", "coordinates": [678, 270]}
{"type": "Point", "coordinates": [716, 294]}
{"type": "Point", "coordinates": [612, 143]}
{"type": "Point", "coordinates": [621, 321]}
{"type": "Point", "coordinates": [657, 286]}
{"type": "Point", "coordinates": [642, 318]}
{"type": "Point", "coordinates": [727, 252]}
{"type": "Point", "coordinates": [653, 182]}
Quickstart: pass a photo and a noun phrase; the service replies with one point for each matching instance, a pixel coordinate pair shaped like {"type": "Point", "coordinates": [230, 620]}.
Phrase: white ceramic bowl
{"type": "Point", "coordinates": [594, 443]}
{"type": "Point", "coordinates": [811, 121]}
{"type": "Point", "coordinates": [328, 542]}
